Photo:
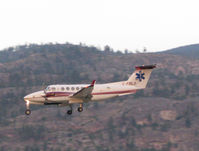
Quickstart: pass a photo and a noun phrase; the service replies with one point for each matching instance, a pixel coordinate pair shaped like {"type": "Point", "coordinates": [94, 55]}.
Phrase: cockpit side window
{"type": "Point", "coordinates": [53, 88]}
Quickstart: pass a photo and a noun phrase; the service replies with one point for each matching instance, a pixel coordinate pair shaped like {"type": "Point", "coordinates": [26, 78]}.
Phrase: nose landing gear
{"type": "Point", "coordinates": [27, 111]}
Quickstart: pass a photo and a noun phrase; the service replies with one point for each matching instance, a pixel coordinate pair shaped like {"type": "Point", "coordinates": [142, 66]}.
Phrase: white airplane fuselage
{"type": "Point", "coordinates": [62, 93]}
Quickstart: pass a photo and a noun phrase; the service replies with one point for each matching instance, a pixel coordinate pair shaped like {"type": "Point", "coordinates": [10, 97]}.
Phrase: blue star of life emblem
{"type": "Point", "coordinates": [140, 76]}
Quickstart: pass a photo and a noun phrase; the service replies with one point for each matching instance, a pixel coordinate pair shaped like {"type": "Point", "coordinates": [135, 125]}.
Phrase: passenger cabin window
{"type": "Point", "coordinates": [67, 88]}
{"type": "Point", "coordinates": [77, 88]}
{"type": "Point", "coordinates": [62, 89]}
{"type": "Point", "coordinates": [72, 88]}
{"type": "Point", "coordinates": [53, 89]}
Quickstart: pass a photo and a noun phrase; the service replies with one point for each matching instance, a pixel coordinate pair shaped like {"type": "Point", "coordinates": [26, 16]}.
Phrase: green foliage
{"type": "Point", "coordinates": [154, 126]}
{"type": "Point", "coordinates": [2, 149]}
{"type": "Point", "coordinates": [45, 146]}
{"type": "Point", "coordinates": [196, 133]}
{"type": "Point", "coordinates": [133, 122]}
{"type": "Point", "coordinates": [31, 148]}
{"type": "Point", "coordinates": [149, 117]}
{"type": "Point", "coordinates": [165, 127]}
{"type": "Point", "coordinates": [110, 123]}
{"type": "Point", "coordinates": [95, 105]}
{"type": "Point", "coordinates": [28, 132]}
{"type": "Point", "coordinates": [111, 128]}
{"type": "Point", "coordinates": [149, 149]}
{"type": "Point", "coordinates": [187, 122]}
{"type": "Point", "coordinates": [131, 145]}
{"type": "Point", "coordinates": [139, 93]}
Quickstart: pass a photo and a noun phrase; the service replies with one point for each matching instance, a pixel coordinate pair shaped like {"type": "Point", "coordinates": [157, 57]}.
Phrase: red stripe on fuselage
{"type": "Point", "coordinates": [114, 92]}
{"type": "Point", "coordinates": [54, 94]}
{"type": "Point", "coordinates": [58, 94]}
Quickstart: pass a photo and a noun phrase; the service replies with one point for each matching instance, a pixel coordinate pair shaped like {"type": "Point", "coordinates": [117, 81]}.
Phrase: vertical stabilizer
{"type": "Point", "coordinates": [141, 76]}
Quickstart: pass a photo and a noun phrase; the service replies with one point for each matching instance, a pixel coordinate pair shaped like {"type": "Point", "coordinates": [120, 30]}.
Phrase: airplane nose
{"type": "Point", "coordinates": [36, 96]}
{"type": "Point", "coordinates": [25, 98]}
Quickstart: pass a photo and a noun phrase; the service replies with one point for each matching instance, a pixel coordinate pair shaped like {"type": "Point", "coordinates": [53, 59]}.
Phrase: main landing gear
{"type": "Point", "coordinates": [79, 109]}
{"type": "Point", "coordinates": [27, 111]}
{"type": "Point", "coordinates": [70, 111]}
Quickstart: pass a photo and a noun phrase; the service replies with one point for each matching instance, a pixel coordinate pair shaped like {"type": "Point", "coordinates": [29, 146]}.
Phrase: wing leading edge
{"type": "Point", "coordinates": [85, 93]}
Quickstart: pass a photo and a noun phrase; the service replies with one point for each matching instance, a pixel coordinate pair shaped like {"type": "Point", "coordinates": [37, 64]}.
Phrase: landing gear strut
{"type": "Point", "coordinates": [80, 108]}
{"type": "Point", "coordinates": [27, 111]}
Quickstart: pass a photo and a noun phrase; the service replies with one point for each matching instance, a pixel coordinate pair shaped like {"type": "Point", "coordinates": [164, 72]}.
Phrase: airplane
{"type": "Point", "coordinates": [67, 95]}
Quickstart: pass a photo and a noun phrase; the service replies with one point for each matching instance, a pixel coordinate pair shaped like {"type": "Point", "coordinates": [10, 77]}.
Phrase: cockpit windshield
{"type": "Point", "coordinates": [48, 88]}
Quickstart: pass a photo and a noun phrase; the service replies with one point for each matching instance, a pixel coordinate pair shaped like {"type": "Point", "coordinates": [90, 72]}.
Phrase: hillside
{"type": "Point", "coordinates": [191, 51]}
{"type": "Point", "coordinates": [164, 117]}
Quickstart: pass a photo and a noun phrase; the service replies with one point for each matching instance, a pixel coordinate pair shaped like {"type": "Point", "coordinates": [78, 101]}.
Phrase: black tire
{"type": "Point", "coordinates": [69, 112]}
{"type": "Point", "coordinates": [80, 109]}
{"type": "Point", "coordinates": [27, 112]}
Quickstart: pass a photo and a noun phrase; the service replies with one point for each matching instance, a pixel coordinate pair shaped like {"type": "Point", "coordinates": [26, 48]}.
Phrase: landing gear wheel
{"type": "Point", "coordinates": [69, 112]}
{"type": "Point", "coordinates": [80, 109]}
{"type": "Point", "coordinates": [27, 112]}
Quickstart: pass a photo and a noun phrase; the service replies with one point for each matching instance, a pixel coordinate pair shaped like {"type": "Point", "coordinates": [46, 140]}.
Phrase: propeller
{"type": "Point", "coordinates": [44, 89]}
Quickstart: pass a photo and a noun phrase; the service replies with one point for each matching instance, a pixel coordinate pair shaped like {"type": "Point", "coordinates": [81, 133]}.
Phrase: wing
{"type": "Point", "coordinates": [84, 93]}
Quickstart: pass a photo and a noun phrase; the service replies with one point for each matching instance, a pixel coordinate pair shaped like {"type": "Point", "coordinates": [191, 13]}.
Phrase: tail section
{"type": "Point", "coordinates": [141, 76]}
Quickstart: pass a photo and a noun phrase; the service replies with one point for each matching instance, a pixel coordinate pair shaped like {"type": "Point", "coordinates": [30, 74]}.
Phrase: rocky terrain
{"type": "Point", "coordinates": [163, 117]}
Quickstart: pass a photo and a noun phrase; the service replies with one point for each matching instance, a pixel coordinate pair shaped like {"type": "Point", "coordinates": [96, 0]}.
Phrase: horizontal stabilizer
{"type": "Point", "coordinates": [145, 67]}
